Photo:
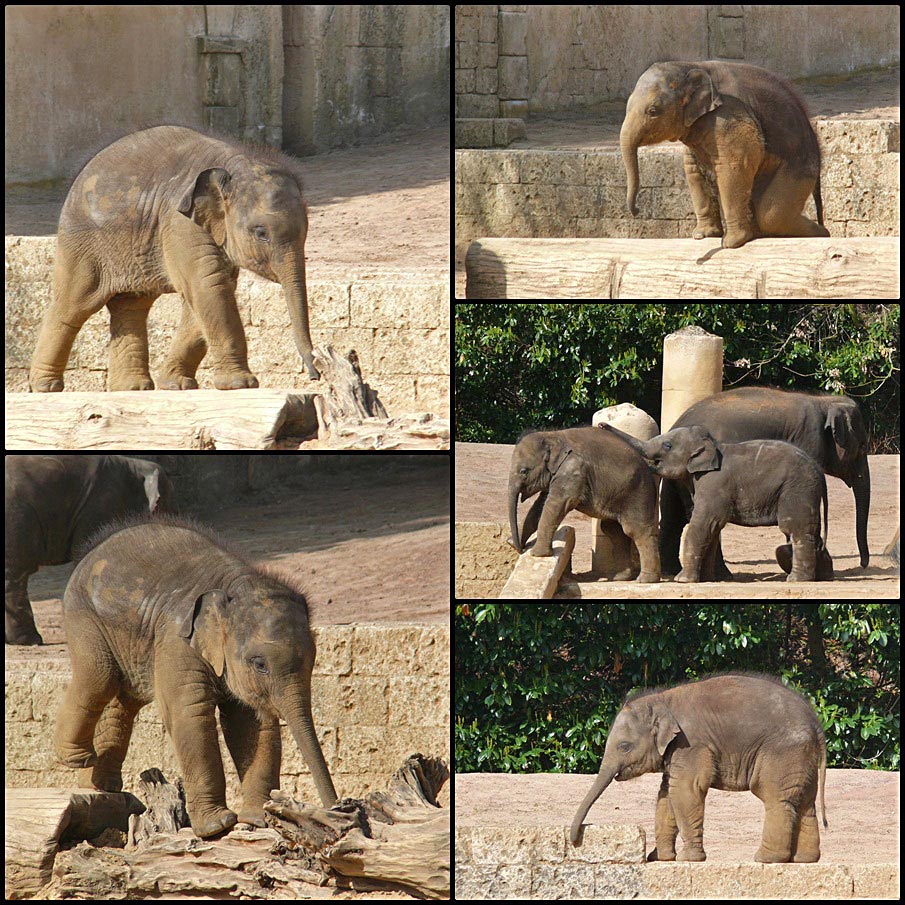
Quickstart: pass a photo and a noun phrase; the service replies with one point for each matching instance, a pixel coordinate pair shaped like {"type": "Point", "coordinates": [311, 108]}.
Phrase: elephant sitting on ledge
{"type": "Point", "coordinates": [744, 129]}
{"type": "Point", "coordinates": [760, 482]}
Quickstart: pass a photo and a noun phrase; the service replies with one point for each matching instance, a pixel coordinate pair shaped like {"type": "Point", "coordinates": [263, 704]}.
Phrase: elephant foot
{"type": "Point", "coordinates": [174, 381]}
{"type": "Point", "coordinates": [252, 816]}
{"type": "Point", "coordinates": [213, 823]}
{"type": "Point", "coordinates": [707, 232]}
{"type": "Point", "coordinates": [117, 384]}
{"type": "Point", "coordinates": [692, 853]}
{"type": "Point", "coordinates": [648, 578]}
{"type": "Point", "coordinates": [235, 380]}
{"type": "Point", "coordinates": [662, 854]}
{"type": "Point", "coordinates": [735, 238]}
{"type": "Point", "coordinates": [538, 550]}
{"type": "Point", "coordinates": [770, 857]}
{"type": "Point", "coordinates": [46, 384]}
{"type": "Point", "coordinates": [806, 857]}
{"type": "Point", "coordinates": [77, 758]}
{"type": "Point", "coordinates": [799, 576]}
{"type": "Point", "coordinates": [514, 545]}
{"type": "Point", "coordinates": [101, 778]}
{"type": "Point", "coordinates": [25, 636]}
{"type": "Point", "coordinates": [686, 577]}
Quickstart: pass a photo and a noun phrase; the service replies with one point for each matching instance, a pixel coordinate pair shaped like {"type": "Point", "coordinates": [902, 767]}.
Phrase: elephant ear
{"type": "Point", "coordinates": [203, 626]}
{"type": "Point", "coordinates": [205, 202]}
{"type": "Point", "coordinates": [667, 729]}
{"type": "Point", "coordinates": [701, 95]}
{"type": "Point", "coordinates": [840, 425]}
{"type": "Point", "coordinates": [706, 456]}
{"type": "Point", "coordinates": [557, 453]}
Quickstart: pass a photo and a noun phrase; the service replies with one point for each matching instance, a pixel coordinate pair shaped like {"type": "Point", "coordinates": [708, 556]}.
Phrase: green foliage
{"type": "Point", "coordinates": [538, 685]}
{"type": "Point", "coordinates": [554, 364]}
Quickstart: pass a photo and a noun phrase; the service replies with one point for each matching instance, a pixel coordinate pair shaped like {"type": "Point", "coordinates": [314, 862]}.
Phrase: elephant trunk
{"type": "Point", "coordinates": [861, 489]}
{"type": "Point", "coordinates": [513, 515]}
{"type": "Point", "coordinates": [297, 713]}
{"type": "Point", "coordinates": [629, 144]}
{"type": "Point", "coordinates": [291, 273]}
{"type": "Point", "coordinates": [604, 778]}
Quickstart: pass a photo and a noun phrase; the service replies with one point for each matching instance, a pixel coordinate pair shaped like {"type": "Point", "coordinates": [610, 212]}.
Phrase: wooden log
{"type": "Point", "coordinates": [861, 268]}
{"type": "Point", "coordinates": [38, 820]}
{"type": "Point", "coordinates": [396, 840]}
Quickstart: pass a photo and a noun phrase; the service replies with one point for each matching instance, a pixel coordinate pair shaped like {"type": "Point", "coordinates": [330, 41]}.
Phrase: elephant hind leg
{"type": "Point", "coordinates": [806, 844]}
{"type": "Point", "coordinates": [111, 742]}
{"type": "Point", "coordinates": [77, 294]}
{"type": "Point", "coordinates": [779, 207]}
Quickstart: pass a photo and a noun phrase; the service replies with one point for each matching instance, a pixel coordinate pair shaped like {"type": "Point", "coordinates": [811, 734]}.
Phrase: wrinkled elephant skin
{"type": "Point", "coordinates": [744, 129]}
{"type": "Point", "coordinates": [160, 610]}
{"type": "Point", "coordinates": [54, 504]}
{"type": "Point", "coordinates": [730, 732]}
{"type": "Point", "coordinates": [172, 210]}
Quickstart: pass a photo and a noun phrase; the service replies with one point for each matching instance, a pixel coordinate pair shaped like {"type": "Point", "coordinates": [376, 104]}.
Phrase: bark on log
{"type": "Point", "coordinates": [395, 840]}
{"type": "Point", "coordinates": [862, 268]}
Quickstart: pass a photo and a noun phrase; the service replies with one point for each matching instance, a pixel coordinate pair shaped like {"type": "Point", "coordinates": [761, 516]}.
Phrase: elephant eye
{"type": "Point", "coordinates": [259, 665]}
{"type": "Point", "coordinates": [260, 233]}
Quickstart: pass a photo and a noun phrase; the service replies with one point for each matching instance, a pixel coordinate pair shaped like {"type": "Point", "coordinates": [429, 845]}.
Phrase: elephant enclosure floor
{"type": "Point", "coordinates": [861, 807]}
{"type": "Point", "coordinates": [367, 547]}
{"type": "Point", "coordinates": [480, 496]}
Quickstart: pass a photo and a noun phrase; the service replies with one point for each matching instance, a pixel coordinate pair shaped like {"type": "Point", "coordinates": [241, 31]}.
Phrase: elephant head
{"type": "Point", "coordinates": [667, 100]}
{"type": "Point", "coordinates": [255, 635]}
{"type": "Point", "coordinates": [257, 214]}
{"type": "Point", "coordinates": [678, 453]}
{"type": "Point", "coordinates": [637, 742]}
{"type": "Point", "coordinates": [536, 459]}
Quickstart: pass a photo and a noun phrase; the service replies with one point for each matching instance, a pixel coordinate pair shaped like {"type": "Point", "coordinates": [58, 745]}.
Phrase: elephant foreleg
{"type": "Point", "coordinates": [665, 827]}
{"type": "Point", "coordinates": [255, 747]}
{"type": "Point", "coordinates": [533, 517]}
{"type": "Point", "coordinates": [555, 510]}
{"type": "Point", "coordinates": [20, 621]}
{"type": "Point", "coordinates": [186, 352]}
{"type": "Point", "coordinates": [703, 200]}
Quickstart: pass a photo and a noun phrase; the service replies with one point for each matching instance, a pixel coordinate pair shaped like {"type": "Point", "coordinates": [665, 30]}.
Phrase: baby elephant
{"type": "Point", "coordinates": [585, 469]}
{"type": "Point", "coordinates": [731, 732]}
{"type": "Point", "coordinates": [159, 610]}
{"type": "Point", "coordinates": [759, 482]}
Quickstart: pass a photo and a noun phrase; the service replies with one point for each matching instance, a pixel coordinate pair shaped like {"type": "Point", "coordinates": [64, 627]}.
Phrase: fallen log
{"type": "Point", "coordinates": [396, 840]}
{"type": "Point", "coordinates": [860, 268]}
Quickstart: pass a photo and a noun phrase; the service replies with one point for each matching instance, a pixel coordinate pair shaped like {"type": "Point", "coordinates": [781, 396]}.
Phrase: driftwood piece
{"type": "Point", "coordinates": [395, 840]}
{"type": "Point", "coordinates": [165, 803]}
{"type": "Point", "coordinates": [37, 820]}
{"type": "Point", "coordinates": [863, 268]}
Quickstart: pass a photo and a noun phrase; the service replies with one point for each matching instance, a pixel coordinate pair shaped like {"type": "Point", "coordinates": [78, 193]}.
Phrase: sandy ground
{"type": "Point", "coordinates": [481, 475]}
{"type": "Point", "coordinates": [862, 811]}
{"type": "Point", "coordinates": [367, 549]}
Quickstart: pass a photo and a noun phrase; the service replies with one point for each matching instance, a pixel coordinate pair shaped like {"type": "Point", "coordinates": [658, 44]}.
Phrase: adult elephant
{"type": "Point", "coordinates": [745, 127]}
{"type": "Point", "coordinates": [590, 470]}
{"type": "Point", "coordinates": [830, 429]}
{"type": "Point", "coordinates": [162, 610]}
{"type": "Point", "coordinates": [54, 504]}
{"type": "Point", "coordinates": [172, 210]}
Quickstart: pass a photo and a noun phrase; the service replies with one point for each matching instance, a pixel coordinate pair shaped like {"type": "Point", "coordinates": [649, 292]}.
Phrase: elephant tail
{"type": "Point", "coordinates": [826, 526]}
{"type": "Point", "coordinates": [821, 781]}
{"type": "Point", "coordinates": [818, 201]}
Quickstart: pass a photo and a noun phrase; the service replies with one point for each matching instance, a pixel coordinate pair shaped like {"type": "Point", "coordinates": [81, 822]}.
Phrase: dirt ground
{"type": "Point", "coordinates": [862, 808]}
{"type": "Point", "coordinates": [481, 475]}
{"type": "Point", "coordinates": [866, 95]}
{"type": "Point", "coordinates": [383, 207]}
{"type": "Point", "coordinates": [366, 551]}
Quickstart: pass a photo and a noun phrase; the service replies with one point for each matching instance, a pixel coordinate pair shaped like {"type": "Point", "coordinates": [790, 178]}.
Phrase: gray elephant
{"type": "Point", "coordinates": [829, 429]}
{"type": "Point", "coordinates": [171, 210]}
{"type": "Point", "coordinates": [159, 610]}
{"type": "Point", "coordinates": [743, 128]}
{"type": "Point", "coordinates": [730, 732]}
{"type": "Point", "coordinates": [586, 469]}
{"type": "Point", "coordinates": [54, 504]}
{"type": "Point", "coordinates": [760, 482]}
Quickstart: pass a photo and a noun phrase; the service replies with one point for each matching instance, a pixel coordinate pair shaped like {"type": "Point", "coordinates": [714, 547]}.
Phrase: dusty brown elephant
{"type": "Point", "coordinates": [731, 732]}
{"type": "Point", "coordinates": [172, 210]}
{"type": "Point", "coordinates": [159, 610]}
{"type": "Point", "coordinates": [587, 469]}
{"type": "Point", "coordinates": [54, 504]}
{"type": "Point", "coordinates": [743, 127]}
